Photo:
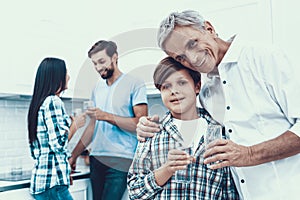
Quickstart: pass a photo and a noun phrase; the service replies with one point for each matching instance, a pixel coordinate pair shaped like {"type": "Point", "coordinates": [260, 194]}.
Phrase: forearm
{"type": "Point", "coordinates": [126, 123]}
{"type": "Point", "coordinates": [162, 175]}
{"type": "Point", "coordinates": [72, 131]}
{"type": "Point", "coordinates": [85, 140]}
{"type": "Point", "coordinates": [283, 146]}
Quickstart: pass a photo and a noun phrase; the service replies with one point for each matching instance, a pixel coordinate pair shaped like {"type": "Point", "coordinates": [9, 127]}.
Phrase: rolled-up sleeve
{"type": "Point", "coordinates": [141, 181]}
{"type": "Point", "coordinates": [283, 84]}
{"type": "Point", "coordinates": [296, 128]}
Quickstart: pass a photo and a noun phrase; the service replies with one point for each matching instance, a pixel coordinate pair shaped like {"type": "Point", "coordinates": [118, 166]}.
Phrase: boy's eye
{"type": "Point", "coordinates": [181, 83]}
{"type": "Point", "coordinates": [165, 86]}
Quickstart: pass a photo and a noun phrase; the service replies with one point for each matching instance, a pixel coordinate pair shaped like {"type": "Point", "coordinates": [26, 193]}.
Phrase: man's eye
{"type": "Point", "coordinates": [192, 43]}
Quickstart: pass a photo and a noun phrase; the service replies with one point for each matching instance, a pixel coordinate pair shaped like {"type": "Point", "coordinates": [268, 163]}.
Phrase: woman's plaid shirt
{"type": "Point", "coordinates": [150, 155]}
{"type": "Point", "coordinates": [49, 151]}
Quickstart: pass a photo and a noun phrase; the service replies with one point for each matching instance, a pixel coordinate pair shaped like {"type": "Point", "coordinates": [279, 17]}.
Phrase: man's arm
{"type": "Point", "coordinates": [232, 154]}
{"type": "Point", "coordinates": [126, 123]}
{"type": "Point", "coordinates": [84, 141]}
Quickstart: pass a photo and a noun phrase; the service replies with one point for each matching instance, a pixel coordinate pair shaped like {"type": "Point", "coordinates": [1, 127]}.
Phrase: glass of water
{"type": "Point", "coordinates": [88, 104]}
{"type": "Point", "coordinates": [185, 175]}
{"type": "Point", "coordinates": [213, 132]}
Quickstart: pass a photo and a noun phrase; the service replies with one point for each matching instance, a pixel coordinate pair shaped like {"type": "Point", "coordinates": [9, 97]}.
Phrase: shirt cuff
{"type": "Point", "coordinates": [296, 128]}
{"type": "Point", "coordinates": [152, 182]}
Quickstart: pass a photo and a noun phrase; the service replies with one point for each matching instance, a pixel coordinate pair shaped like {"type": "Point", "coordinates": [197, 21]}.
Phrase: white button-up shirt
{"type": "Point", "coordinates": [256, 97]}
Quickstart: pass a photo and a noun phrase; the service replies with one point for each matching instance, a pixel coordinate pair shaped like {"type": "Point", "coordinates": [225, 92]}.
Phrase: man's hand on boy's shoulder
{"type": "Point", "coordinates": [146, 127]}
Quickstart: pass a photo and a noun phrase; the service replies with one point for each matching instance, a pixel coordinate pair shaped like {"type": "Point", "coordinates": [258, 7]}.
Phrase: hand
{"type": "Point", "coordinates": [96, 113]}
{"type": "Point", "coordinates": [72, 162]}
{"type": "Point", "coordinates": [177, 160]}
{"type": "Point", "coordinates": [79, 120]}
{"type": "Point", "coordinates": [227, 153]}
{"type": "Point", "coordinates": [146, 127]}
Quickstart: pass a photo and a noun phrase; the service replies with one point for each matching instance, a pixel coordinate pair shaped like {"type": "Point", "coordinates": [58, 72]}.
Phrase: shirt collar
{"type": "Point", "coordinates": [231, 56]}
{"type": "Point", "coordinates": [233, 51]}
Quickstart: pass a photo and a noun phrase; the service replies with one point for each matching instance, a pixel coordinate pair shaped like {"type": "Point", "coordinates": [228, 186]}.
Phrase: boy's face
{"type": "Point", "coordinates": [178, 94]}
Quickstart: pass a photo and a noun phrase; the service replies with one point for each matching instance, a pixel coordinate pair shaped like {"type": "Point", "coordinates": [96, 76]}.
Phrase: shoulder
{"type": "Point", "coordinates": [52, 102]}
{"type": "Point", "coordinates": [128, 78]}
{"type": "Point", "coordinates": [260, 50]}
{"type": "Point", "coordinates": [203, 113]}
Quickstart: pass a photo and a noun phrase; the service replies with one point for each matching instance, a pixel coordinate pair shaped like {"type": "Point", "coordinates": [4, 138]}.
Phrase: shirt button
{"type": "Point", "coordinates": [230, 130]}
{"type": "Point", "coordinates": [242, 181]}
{"type": "Point", "coordinates": [228, 107]}
{"type": "Point", "coordinates": [224, 82]}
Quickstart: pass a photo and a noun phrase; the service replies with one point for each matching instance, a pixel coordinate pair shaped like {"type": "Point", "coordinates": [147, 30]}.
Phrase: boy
{"type": "Point", "coordinates": [156, 161]}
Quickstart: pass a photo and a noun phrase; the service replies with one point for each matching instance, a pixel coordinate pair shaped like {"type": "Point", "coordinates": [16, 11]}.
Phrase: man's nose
{"type": "Point", "coordinates": [191, 57]}
{"type": "Point", "coordinates": [100, 68]}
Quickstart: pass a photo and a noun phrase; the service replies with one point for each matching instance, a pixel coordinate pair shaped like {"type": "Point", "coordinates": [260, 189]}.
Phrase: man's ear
{"type": "Point", "coordinates": [115, 58]}
{"type": "Point", "coordinates": [210, 28]}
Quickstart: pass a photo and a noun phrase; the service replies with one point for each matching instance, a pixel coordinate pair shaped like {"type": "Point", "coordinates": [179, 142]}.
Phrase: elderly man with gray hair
{"type": "Point", "coordinates": [251, 91]}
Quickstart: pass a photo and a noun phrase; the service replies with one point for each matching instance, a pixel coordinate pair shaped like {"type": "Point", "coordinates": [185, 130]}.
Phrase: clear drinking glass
{"type": "Point", "coordinates": [88, 104]}
{"type": "Point", "coordinates": [77, 111]}
{"type": "Point", "coordinates": [213, 132]}
{"type": "Point", "coordinates": [185, 175]}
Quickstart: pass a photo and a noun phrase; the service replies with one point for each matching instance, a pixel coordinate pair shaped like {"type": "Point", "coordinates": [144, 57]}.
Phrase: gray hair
{"type": "Point", "coordinates": [185, 18]}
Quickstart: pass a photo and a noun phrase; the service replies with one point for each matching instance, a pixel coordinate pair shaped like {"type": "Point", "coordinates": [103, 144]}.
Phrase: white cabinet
{"type": "Point", "coordinates": [81, 189]}
{"type": "Point", "coordinates": [20, 194]}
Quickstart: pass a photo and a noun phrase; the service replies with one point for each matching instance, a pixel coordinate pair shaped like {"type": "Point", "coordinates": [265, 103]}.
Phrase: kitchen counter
{"type": "Point", "coordinates": [82, 171]}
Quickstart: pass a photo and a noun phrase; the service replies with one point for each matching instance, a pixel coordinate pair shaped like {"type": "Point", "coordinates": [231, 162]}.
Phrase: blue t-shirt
{"type": "Point", "coordinates": [118, 99]}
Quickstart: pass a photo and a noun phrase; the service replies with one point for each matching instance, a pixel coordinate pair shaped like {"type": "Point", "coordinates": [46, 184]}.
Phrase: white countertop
{"type": "Point", "coordinates": [81, 170]}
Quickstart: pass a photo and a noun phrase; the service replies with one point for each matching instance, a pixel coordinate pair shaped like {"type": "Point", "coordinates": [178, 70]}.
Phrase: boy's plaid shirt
{"type": "Point", "coordinates": [150, 155]}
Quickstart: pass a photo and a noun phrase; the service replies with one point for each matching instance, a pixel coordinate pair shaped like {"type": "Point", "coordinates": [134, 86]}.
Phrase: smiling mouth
{"type": "Point", "coordinates": [199, 64]}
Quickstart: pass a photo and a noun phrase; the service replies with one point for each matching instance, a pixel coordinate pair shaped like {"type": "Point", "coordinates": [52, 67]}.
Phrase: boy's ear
{"type": "Point", "coordinates": [198, 87]}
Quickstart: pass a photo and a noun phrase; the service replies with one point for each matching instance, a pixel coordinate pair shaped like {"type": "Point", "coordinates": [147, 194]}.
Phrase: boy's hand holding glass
{"type": "Point", "coordinates": [178, 160]}
{"type": "Point", "coordinates": [184, 175]}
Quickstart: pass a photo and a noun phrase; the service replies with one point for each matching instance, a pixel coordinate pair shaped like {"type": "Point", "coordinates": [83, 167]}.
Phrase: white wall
{"type": "Point", "coordinates": [34, 29]}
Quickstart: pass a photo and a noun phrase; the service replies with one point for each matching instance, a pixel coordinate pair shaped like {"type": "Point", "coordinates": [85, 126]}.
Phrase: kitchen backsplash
{"type": "Point", "coordinates": [14, 147]}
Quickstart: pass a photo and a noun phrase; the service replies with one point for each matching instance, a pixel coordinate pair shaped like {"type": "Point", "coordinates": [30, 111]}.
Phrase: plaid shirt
{"type": "Point", "coordinates": [150, 155]}
{"type": "Point", "coordinates": [49, 151]}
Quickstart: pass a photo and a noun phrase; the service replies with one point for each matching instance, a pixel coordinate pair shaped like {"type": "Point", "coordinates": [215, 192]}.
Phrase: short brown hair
{"type": "Point", "coordinates": [168, 66]}
{"type": "Point", "coordinates": [109, 46]}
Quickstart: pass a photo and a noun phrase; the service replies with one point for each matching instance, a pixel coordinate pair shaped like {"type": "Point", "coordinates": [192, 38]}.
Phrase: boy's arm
{"type": "Point", "coordinates": [141, 180]}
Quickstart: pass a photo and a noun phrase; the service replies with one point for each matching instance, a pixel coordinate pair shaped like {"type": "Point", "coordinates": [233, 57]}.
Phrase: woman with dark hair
{"type": "Point", "coordinates": [50, 128]}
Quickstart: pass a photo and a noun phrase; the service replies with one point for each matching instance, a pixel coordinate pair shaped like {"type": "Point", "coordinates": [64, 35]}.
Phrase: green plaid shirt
{"type": "Point", "coordinates": [150, 155]}
{"type": "Point", "coordinates": [49, 151]}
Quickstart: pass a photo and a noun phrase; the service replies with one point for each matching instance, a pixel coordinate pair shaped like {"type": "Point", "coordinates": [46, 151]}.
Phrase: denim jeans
{"type": "Point", "coordinates": [109, 180]}
{"type": "Point", "coordinates": [60, 192]}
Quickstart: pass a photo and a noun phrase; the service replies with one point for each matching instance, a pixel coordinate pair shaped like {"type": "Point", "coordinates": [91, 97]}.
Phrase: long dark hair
{"type": "Point", "coordinates": [50, 79]}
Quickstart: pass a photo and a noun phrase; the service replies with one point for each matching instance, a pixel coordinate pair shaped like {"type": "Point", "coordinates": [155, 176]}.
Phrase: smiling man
{"type": "Point", "coordinates": [252, 91]}
{"type": "Point", "coordinates": [119, 100]}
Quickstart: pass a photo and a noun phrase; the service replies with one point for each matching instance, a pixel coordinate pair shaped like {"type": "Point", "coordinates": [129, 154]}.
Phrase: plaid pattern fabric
{"type": "Point", "coordinates": [49, 151]}
{"type": "Point", "coordinates": [150, 155]}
